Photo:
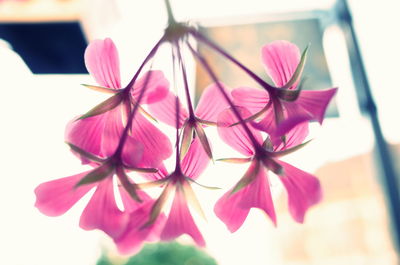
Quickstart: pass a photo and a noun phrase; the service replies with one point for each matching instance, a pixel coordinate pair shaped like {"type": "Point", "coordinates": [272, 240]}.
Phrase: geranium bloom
{"type": "Point", "coordinates": [209, 107]}
{"type": "Point", "coordinates": [179, 220]}
{"type": "Point", "coordinates": [281, 59]}
{"type": "Point", "coordinates": [55, 197]}
{"type": "Point", "coordinates": [100, 134]}
{"type": "Point", "coordinates": [96, 139]}
{"type": "Point", "coordinates": [253, 190]}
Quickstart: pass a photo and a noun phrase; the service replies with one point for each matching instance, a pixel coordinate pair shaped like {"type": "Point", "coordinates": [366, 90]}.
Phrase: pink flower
{"type": "Point", "coordinates": [253, 190]}
{"type": "Point", "coordinates": [96, 138]}
{"type": "Point", "coordinates": [281, 59]}
{"type": "Point", "coordinates": [100, 134]}
{"type": "Point", "coordinates": [179, 220]}
{"type": "Point", "coordinates": [209, 107]}
{"type": "Point", "coordinates": [55, 197]}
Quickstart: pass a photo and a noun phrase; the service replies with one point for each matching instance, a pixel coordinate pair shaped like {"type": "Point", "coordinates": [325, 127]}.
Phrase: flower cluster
{"type": "Point", "coordinates": [119, 140]}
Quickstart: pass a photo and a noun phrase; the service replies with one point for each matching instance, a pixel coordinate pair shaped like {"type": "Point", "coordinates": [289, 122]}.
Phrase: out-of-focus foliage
{"type": "Point", "coordinates": [166, 254]}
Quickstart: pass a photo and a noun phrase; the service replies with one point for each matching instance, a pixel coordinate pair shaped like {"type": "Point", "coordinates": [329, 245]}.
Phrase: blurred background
{"type": "Point", "coordinates": [355, 153]}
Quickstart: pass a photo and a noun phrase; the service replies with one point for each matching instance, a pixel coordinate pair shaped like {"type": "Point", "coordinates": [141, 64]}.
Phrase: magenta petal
{"type": "Point", "coordinates": [281, 59]}
{"type": "Point", "coordinates": [156, 90]}
{"type": "Point", "coordinates": [295, 136]}
{"type": "Point", "coordinates": [258, 195]}
{"type": "Point", "coordinates": [212, 103]}
{"type": "Point", "coordinates": [112, 132]}
{"type": "Point", "coordinates": [233, 209]}
{"type": "Point", "coordinates": [156, 145]}
{"type": "Point", "coordinates": [131, 205]}
{"type": "Point", "coordinates": [164, 111]}
{"type": "Point", "coordinates": [228, 211]}
{"type": "Point", "coordinates": [180, 221]}
{"type": "Point", "coordinates": [132, 153]}
{"type": "Point", "coordinates": [102, 62]}
{"type": "Point", "coordinates": [195, 160]}
{"type": "Point", "coordinates": [131, 241]}
{"type": "Point", "coordinates": [304, 190]}
{"type": "Point", "coordinates": [315, 102]}
{"type": "Point", "coordinates": [236, 136]}
{"type": "Point", "coordinates": [160, 174]}
{"type": "Point", "coordinates": [86, 134]}
{"type": "Point", "coordinates": [102, 211]}
{"type": "Point", "coordinates": [54, 198]}
{"type": "Point", "coordinates": [251, 98]}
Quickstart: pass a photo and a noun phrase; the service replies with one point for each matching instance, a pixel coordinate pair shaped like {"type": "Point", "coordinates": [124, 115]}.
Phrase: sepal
{"type": "Point", "coordinates": [299, 70]}
{"type": "Point", "coordinates": [104, 106]}
{"type": "Point", "coordinates": [248, 177]}
{"type": "Point", "coordinates": [97, 174]}
{"type": "Point", "coordinates": [102, 89]}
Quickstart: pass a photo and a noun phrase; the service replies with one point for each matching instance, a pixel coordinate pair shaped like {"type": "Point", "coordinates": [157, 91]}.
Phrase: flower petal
{"type": "Point", "coordinates": [156, 145]}
{"type": "Point", "coordinates": [112, 131]}
{"type": "Point", "coordinates": [228, 211]}
{"type": "Point", "coordinates": [164, 111]}
{"type": "Point", "coordinates": [102, 62]}
{"type": "Point", "coordinates": [160, 174]}
{"type": "Point", "coordinates": [195, 160]}
{"type": "Point", "coordinates": [133, 152]}
{"type": "Point", "coordinates": [293, 137]}
{"type": "Point", "coordinates": [102, 211]}
{"type": "Point", "coordinates": [180, 221]}
{"type": "Point", "coordinates": [156, 88]}
{"type": "Point", "coordinates": [236, 136]}
{"type": "Point", "coordinates": [131, 241]}
{"type": "Point", "coordinates": [304, 190]}
{"type": "Point", "coordinates": [86, 134]}
{"type": "Point", "coordinates": [212, 103]}
{"type": "Point", "coordinates": [281, 59]}
{"type": "Point", "coordinates": [131, 205]}
{"type": "Point", "coordinates": [54, 198]}
{"type": "Point", "coordinates": [233, 209]}
{"type": "Point", "coordinates": [251, 98]}
{"type": "Point", "coordinates": [315, 102]}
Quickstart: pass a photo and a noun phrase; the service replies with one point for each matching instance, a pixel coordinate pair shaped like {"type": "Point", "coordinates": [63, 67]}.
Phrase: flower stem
{"type": "Point", "coordinates": [207, 67]}
{"type": "Point", "coordinates": [177, 112]}
{"type": "Point", "coordinates": [185, 81]}
{"type": "Point", "coordinates": [200, 37]}
{"type": "Point", "coordinates": [148, 57]}
{"type": "Point", "coordinates": [171, 18]}
{"type": "Point", "coordinates": [128, 89]}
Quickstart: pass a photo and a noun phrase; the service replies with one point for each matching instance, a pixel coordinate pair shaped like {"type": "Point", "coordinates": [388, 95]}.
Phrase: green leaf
{"type": "Point", "coordinates": [296, 75]}
{"type": "Point", "coordinates": [235, 160]}
{"type": "Point", "coordinates": [158, 205]}
{"type": "Point", "coordinates": [128, 186]}
{"type": "Point", "coordinates": [248, 177]}
{"type": "Point", "coordinates": [85, 154]}
{"type": "Point", "coordinates": [203, 139]}
{"type": "Point", "coordinates": [104, 106]}
{"type": "Point", "coordinates": [97, 174]}
{"type": "Point", "coordinates": [102, 89]}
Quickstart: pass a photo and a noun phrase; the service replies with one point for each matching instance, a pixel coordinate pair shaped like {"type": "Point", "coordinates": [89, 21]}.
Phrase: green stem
{"type": "Point", "coordinates": [171, 18]}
